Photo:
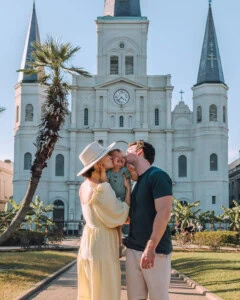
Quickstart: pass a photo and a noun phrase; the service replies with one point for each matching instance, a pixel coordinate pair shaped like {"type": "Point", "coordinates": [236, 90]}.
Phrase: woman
{"type": "Point", "coordinates": [99, 276]}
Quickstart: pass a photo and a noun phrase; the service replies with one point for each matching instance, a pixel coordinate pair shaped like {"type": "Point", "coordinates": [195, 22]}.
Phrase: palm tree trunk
{"type": "Point", "coordinates": [18, 219]}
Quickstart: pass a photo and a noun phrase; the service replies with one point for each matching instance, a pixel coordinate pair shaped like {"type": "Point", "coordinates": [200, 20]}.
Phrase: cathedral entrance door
{"type": "Point", "coordinates": [58, 214]}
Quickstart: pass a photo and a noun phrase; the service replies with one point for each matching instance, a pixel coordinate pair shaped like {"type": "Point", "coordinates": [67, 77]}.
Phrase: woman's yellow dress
{"type": "Point", "coordinates": [99, 275]}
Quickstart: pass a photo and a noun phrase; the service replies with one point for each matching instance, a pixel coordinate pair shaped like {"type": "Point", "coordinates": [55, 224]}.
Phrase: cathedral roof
{"type": "Point", "coordinates": [122, 8]}
{"type": "Point", "coordinates": [32, 36]}
{"type": "Point", "coordinates": [210, 70]}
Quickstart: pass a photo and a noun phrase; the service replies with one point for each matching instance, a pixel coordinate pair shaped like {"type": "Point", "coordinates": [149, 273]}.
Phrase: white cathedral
{"type": "Point", "coordinates": [122, 103]}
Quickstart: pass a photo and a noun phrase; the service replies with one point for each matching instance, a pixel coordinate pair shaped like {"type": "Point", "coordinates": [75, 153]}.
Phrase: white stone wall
{"type": "Point", "coordinates": [177, 133]}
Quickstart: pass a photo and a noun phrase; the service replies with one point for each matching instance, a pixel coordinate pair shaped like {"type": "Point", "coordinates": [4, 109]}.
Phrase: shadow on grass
{"type": "Point", "coordinates": [226, 271]}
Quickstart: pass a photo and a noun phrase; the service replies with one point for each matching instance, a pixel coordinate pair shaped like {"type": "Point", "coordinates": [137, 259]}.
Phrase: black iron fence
{"type": "Point", "coordinates": [70, 228]}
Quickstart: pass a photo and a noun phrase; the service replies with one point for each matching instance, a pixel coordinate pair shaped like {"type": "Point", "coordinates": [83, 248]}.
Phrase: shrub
{"type": "Point", "coordinates": [216, 239]}
{"type": "Point", "coordinates": [25, 238]}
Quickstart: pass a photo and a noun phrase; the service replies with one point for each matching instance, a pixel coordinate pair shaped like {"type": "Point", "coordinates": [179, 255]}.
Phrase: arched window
{"type": "Point", "coordinates": [114, 65]}
{"type": "Point", "coordinates": [29, 113]}
{"type": "Point", "coordinates": [85, 117]}
{"type": "Point", "coordinates": [17, 114]}
{"type": "Point", "coordinates": [182, 166]}
{"type": "Point", "coordinates": [199, 114]}
{"type": "Point", "coordinates": [156, 117]}
{"type": "Point", "coordinates": [112, 121]}
{"type": "Point", "coordinates": [224, 114]}
{"type": "Point", "coordinates": [213, 113]}
{"type": "Point", "coordinates": [213, 162]}
{"type": "Point", "coordinates": [130, 122]}
{"type": "Point", "coordinates": [27, 161]}
{"type": "Point", "coordinates": [129, 66]}
{"type": "Point", "coordinates": [121, 121]}
{"type": "Point", "coordinates": [100, 142]}
{"type": "Point", "coordinates": [59, 165]}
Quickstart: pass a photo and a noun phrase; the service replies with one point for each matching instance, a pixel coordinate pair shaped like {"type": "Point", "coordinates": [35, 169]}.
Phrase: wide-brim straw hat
{"type": "Point", "coordinates": [92, 154]}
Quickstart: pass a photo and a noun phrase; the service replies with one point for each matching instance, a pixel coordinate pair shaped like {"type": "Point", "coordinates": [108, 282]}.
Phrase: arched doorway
{"type": "Point", "coordinates": [58, 214]}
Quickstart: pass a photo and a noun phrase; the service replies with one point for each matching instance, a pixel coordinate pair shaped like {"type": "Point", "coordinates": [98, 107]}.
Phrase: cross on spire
{"type": "Point", "coordinates": [181, 92]}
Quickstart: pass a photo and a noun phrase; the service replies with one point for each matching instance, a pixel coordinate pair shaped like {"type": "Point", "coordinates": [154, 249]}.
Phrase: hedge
{"type": "Point", "coordinates": [25, 237]}
{"type": "Point", "coordinates": [216, 239]}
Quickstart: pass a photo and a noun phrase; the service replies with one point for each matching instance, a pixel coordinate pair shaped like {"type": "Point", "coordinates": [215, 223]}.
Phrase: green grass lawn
{"type": "Point", "coordinates": [20, 271]}
{"type": "Point", "coordinates": [218, 272]}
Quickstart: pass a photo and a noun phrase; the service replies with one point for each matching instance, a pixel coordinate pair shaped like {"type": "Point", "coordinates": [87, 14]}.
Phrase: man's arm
{"type": "Point", "coordinates": [163, 208]}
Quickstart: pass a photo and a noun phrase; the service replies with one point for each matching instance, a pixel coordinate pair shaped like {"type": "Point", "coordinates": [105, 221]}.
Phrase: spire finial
{"type": "Point", "coordinates": [210, 2]}
{"type": "Point", "coordinates": [181, 92]}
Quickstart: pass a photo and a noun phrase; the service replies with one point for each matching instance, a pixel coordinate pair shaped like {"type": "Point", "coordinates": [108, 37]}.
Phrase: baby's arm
{"type": "Point", "coordinates": [132, 171]}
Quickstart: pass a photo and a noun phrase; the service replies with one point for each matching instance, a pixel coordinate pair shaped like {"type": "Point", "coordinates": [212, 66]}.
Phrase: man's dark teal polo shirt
{"type": "Point", "coordinates": [152, 184]}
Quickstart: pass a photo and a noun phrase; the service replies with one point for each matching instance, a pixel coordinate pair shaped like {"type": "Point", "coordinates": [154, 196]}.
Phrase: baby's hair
{"type": "Point", "coordinates": [114, 150]}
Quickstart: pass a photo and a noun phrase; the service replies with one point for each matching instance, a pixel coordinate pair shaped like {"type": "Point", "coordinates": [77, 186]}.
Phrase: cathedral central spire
{"type": "Point", "coordinates": [122, 8]}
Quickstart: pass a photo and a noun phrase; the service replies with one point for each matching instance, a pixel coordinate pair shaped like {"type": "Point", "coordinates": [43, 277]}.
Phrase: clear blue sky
{"type": "Point", "coordinates": [174, 46]}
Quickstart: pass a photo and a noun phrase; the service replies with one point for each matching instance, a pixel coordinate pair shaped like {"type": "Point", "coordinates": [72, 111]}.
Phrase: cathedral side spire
{"type": "Point", "coordinates": [32, 36]}
{"type": "Point", "coordinates": [210, 70]}
{"type": "Point", "coordinates": [122, 8]}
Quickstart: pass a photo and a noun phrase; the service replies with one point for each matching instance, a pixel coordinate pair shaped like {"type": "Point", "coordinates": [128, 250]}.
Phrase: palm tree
{"type": "Point", "coordinates": [39, 218]}
{"type": "Point", "coordinates": [54, 57]}
{"type": "Point", "coordinates": [2, 109]}
{"type": "Point", "coordinates": [232, 215]}
{"type": "Point", "coordinates": [7, 216]}
{"type": "Point", "coordinates": [184, 212]}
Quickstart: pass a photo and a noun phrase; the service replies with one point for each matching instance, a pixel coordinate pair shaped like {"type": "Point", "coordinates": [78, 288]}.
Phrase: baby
{"type": "Point", "coordinates": [115, 177]}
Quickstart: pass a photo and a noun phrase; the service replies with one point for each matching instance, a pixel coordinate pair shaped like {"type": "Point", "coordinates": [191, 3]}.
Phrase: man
{"type": "Point", "coordinates": [148, 258]}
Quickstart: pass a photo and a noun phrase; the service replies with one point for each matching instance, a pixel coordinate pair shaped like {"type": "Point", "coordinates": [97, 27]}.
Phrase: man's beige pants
{"type": "Point", "coordinates": [154, 281]}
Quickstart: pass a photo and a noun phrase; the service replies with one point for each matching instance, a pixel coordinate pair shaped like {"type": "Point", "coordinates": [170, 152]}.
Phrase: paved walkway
{"type": "Point", "coordinates": [65, 288]}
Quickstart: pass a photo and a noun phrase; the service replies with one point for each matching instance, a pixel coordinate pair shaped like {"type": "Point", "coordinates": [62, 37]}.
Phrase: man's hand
{"type": "Point", "coordinates": [131, 167]}
{"type": "Point", "coordinates": [148, 257]}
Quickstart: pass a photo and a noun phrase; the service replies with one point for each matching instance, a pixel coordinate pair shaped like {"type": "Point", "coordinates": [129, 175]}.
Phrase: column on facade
{"type": "Point", "coordinates": [138, 113]}
{"type": "Point", "coordinates": [105, 109]}
{"type": "Point", "coordinates": [168, 108]}
{"type": "Point", "coordinates": [74, 108]}
{"type": "Point", "coordinates": [169, 153]}
{"type": "Point", "coordinates": [145, 110]}
{"type": "Point", "coordinates": [72, 156]}
{"type": "Point", "coordinates": [97, 116]}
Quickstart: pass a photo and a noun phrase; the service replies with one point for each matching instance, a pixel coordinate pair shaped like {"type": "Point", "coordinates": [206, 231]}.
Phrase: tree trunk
{"type": "Point", "coordinates": [18, 219]}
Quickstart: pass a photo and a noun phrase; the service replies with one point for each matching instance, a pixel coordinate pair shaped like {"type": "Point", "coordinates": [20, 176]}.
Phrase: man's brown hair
{"type": "Point", "coordinates": [148, 150]}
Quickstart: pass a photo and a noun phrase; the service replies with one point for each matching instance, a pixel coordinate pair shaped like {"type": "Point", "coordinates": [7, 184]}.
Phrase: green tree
{"type": "Point", "coordinates": [232, 215]}
{"type": "Point", "coordinates": [54, 57]}
{"type": "Point", "coordinates": [39, 216]}
{"type": "Point", "coordinates": [184, 212]}
{"type": "Point", "coordinates": [7, 216]}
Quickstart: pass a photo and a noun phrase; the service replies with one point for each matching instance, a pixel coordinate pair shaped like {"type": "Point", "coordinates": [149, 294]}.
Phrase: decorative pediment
{"type": "Point", "coordinates": [121, 80]}
{"type": "Point", "coordinates": [182, 149]}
